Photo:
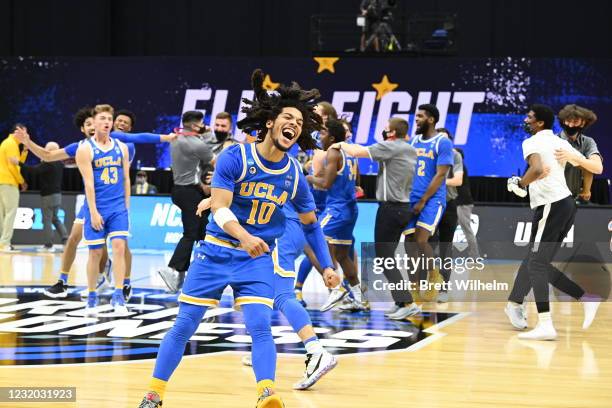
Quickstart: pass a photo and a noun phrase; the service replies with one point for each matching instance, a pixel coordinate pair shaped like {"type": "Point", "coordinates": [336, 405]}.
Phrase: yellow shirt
{"type": "Point", "coordinates": [11, 173]}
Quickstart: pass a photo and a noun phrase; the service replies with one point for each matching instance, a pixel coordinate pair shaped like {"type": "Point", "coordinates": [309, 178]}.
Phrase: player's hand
{"type": "Point", "coordinates": [255, 246]}
{"type": "Point", "coordinates": [97, 223]}
{"type": "Point", "coordinates": [22, 135]}
{"type": "Point", "coordinates": [563, 155]}
{"type": "Point", "coordinates": [168, 138]}
{"type": "Point", "coordinates": [23, 186]}
{"type": "Point", "coordinates": [585, 195]}
{"type": "Point", "coordinates": [308, 166]}
{"type": "Point", "coordinates": [331, 278]}
{"type": "Point", "coordinates": [418, 207]}
{"type": "Point", "coordinates": [514, 186]}
{"type": "Point", "coordinates": [203, 206]}
{"type": "Point", "coordinates": [359, 192]}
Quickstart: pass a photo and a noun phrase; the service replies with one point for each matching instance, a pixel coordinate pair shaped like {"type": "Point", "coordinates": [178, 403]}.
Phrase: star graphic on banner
{"type": "Point", "coordinates": [326, 64]}
{"type": "Point", "coordinates": [269, 85]}
{"type": "Point", "coordinates": [383, 87]}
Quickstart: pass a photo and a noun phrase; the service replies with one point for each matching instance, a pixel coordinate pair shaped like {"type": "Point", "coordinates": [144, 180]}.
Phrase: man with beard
{"type": "Point", "coordinates": [554, 212]}
{"type": "Point", "coordinates": [428, 196]}
{"type": "Point", "coordinates": [189, 155]}
{"type": "Point", "coordinates": [574, 120]}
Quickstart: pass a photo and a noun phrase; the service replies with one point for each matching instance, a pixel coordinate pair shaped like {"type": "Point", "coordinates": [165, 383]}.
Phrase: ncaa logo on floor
{"type": "Point", "coordinates": [59, 332]}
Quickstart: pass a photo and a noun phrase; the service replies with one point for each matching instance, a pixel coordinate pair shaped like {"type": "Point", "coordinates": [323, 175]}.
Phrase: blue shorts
{"type": "Point", "coordinates": [116, 225]}
{"type": "Point", "coordinates": [428, 218]}
{"type": "Point", "coordinates": [338, 224]}
{"type": "Point", "coordinates": [289, 247]}
{"type": "Point", "coordinates": [80, 217]}
{"type": "Point", "coordinates": [218, 263]}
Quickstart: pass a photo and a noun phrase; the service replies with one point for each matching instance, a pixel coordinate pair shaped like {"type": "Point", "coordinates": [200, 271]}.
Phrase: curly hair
{"type": "Point", "coordinates": [265, 107]}
{"type": "Point", "coordinates": [81, 116]}
{"type": "Point", "coordinates": [574, 111]}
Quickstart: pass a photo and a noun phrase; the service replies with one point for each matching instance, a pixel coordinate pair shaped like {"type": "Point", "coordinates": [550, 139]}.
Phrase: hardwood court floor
{"type": "Point", "coordinates": [477, 362]}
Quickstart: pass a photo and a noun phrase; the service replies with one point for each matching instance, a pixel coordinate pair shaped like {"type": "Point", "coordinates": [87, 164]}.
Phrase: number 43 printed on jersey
{"type": "Point", "coordinates": [110, 175]}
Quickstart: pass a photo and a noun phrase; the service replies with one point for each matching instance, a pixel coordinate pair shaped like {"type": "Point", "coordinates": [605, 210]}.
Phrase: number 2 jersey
{"type": "Point", "coordinates": [433, 152]}
{"type": "Point", "coordinates": [261, 189]}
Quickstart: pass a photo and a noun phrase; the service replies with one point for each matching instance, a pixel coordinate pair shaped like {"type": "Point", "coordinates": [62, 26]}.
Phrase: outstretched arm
{"type": "Point", "coordinates": [330, 171]}
{"type": "Point", "coordinates": [39, 151]}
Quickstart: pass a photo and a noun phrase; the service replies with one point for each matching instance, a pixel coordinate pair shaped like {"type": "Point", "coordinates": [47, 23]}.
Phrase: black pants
{"type": "Point", "coordinates": [551, 223]}
{"type": "Point", "coordinates": [391, 219]}
{"type": "Point", "coordinates": [446, 233]}
{"type": "Point", "coordinates": [187, 199]}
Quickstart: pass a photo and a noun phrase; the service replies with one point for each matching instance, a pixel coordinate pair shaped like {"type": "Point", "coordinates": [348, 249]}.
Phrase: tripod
{"type": "Point", "coordinates": [383, 38]}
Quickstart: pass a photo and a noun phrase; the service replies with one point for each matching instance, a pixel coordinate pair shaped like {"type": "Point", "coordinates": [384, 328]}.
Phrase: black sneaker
{"type": "Point", "coordinates": [151, 400]}
{"type": "Point", "coordinates": [127, 292]}
{"type": "Point", "coordinates": [59, 290]}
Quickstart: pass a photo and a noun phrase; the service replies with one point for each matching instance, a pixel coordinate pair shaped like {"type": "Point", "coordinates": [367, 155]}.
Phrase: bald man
{"type": "Point", "coordinates": [50, 177]}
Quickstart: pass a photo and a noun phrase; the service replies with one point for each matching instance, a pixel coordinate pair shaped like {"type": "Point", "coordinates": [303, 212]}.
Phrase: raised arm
{"type": "Point", "coordinates": [142, 137]}
{"type": "Point", "coordinates": [39, 151]}
{"type": "Point", "coordinates": [354, 150]}
{"type": "Point", "coordinates": [126, 176]}
{"type": "Point", "coordinates": [330, 171]}
{"type": "Point", "coordinates": [83, 160]}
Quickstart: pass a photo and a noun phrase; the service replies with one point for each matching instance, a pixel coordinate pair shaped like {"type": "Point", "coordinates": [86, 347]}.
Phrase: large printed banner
{"type": "Point", "coordinates": [155, 223]}
{"type": "Point", "coordinates": [481, 101]}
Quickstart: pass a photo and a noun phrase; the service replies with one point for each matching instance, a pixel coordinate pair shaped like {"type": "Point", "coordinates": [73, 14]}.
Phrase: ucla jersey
{"type": "Point", "coordinates": [261, 189]}
{"type": "Point", "coordinates": [342, 191]}
{"type": "Point", "coordinates": [108, 176]}
{"type": "Point", "coordinates": [437, 151]}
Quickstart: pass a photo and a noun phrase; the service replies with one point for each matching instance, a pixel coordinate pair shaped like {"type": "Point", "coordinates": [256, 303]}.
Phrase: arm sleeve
{"type": "Point", "coordinates": [381, 151]}
{"type": "Point", "coordinates": [303, 200]}
{"type": "Point", "coordinates": [136, 137]}
{"type": "Point", "coordinates": [445, 152]}
{"type": "Point", "coordinates": [71, 149]}
{"type": "Point", "coordinates": [229, 169]}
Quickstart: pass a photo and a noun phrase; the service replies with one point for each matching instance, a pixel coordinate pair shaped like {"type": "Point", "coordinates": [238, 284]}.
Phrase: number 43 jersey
{"type": "Point", "coordinates": [261, 188]}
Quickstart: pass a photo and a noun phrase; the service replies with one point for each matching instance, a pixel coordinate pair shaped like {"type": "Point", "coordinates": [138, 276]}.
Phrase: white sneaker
{"type": "Point", "coordinates": [442, 297]}
{"type": "Point", "coordinates": [247, 361]}
{"type": "Point", "coordinates": [543, 331]}
{"type": "Point", "coordinates": [170, 278]}
{"type": "Point", "coordinates": [405, 311]}
{"type": "Point", "coordinates": [392, 310]}
{"type": "Point", "coordinates": [118, 304]}
{"type": "Point", "coordinates": [590, 310]}
{"type": "Point", "coordinates": [354, 305]}
{"type": "Point", "coordinates": [516, 316]}
{"type": "Point", "coordinates": [91, 311]}
{"type": "Point", "coordinates": [317, 365]}
{"type": "Point", "coordinates": [334, 298]}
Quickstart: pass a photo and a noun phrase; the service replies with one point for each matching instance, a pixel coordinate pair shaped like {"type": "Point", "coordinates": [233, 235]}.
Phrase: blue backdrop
{"type": "Point", "coordinates": [482, 101]}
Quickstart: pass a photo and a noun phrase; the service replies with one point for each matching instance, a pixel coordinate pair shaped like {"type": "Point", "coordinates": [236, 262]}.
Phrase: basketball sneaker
{"type": "Point", "coordinates": [405, 312]}
{"type": "Point", "coordinates": [247, 361]}
{"type": "Point", "coordinates": [127, 292]}
{"type": "Point", "coordinates": [393, 309]}
{"type": "Point", "coordinates": [171, 279]}
{"type": "Point", "coordinates": [151, 400]}
{"type": "Point", "coordinates": [268, 399]}
{"type": "Point", "coordinates": [92, 303]}
{"type": "Point", "coordinates": [100, 286]}
{"type": "Point", "coordinates": [354, 305]}
{"type": "Point", "coordinates": [118, 304]}
{"type": "Point", "coordinates": [334, 298]}
{"type": "Point", "coordinates": [516, 314]}
{"type": "Point", "coordinates": [544, 330]}
{"type": "Point", "coordinates": [59, 290]}
{"type": "Point", "coordinates": [317, 365]}
{"type": "Point", "coordinates": [107, 273]}
{"type": "Point", "coordinates": [590, 309]}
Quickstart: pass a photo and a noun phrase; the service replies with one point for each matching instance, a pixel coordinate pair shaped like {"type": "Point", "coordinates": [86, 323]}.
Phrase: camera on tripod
{"type": "Point", "coordinates": [376, 20]}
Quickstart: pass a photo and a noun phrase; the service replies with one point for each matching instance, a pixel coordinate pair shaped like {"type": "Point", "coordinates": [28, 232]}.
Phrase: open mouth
{"type": "Point", "coordinates": [288, 133]}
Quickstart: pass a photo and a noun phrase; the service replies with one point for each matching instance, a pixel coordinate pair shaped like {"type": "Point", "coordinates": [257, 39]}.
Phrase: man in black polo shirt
{"type": "Point", "coordinates": [51, 174]}
{"type": "Point", "coordinates": [574, 120]}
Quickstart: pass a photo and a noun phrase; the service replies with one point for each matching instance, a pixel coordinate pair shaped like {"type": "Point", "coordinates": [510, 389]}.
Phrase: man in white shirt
{"type": "Point", "coordinates": [555, 210]}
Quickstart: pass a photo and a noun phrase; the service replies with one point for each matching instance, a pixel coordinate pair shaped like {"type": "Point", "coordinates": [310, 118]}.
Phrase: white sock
{"type": "Point", "coordinates": [314, 347]}
{"type": "Point", "coordinates": [513, 304]}
{"type": "Point", "coordinates": [544, 317]}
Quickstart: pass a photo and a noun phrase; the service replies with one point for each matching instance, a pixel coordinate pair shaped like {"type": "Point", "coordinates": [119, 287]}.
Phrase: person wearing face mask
{"type": "Point", "coordinates": [141, 186]}
{"type": "Point", "coordinates": [189, 155]}
{"type": "Point", "coordinates": [219, 138]}
{"type": "Point", "coordinates": [574, 120]}
{"type": "Point", "coordinates": [396, 167]}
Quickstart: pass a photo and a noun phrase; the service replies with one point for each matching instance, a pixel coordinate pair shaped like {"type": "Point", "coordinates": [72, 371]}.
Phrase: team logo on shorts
{"type": "Point", "coordinates": [40, 331]}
